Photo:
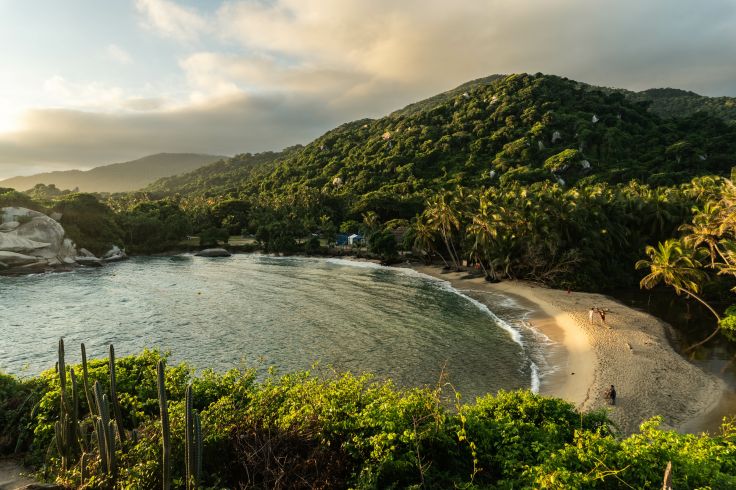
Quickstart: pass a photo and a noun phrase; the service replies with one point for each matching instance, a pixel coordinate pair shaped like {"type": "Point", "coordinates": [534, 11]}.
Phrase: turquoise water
{"type": "Point", "coordinates": [266, 311]}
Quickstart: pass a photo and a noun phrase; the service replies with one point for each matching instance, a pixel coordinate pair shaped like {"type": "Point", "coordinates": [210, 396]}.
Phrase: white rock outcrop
{"type": "Point", "coordinates": [32, 240]}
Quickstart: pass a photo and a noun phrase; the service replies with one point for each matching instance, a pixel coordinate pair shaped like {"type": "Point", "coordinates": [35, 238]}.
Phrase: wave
{"type": "Point", "coordinates": [514, 331]}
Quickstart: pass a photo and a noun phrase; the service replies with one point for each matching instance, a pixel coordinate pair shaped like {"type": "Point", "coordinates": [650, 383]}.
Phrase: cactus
{"type": "Point", "coordinates": [66, 428]}
{"type": "Point", "coordinates": [165, 430]}
{"type": "Point", "coordinates": [101, 445]}
{"type": "Point", "coordinates": [198, 447]}
{"type": "Point", "coordinates": [193, 442]}
{"type": "Point", "coordinates": [188, 434]}
{"type": "Point", "coordinates": [111, 457]}
{"type": "Point", "coordinates": [105, 432]}
{"type": "Point", "coordinates": [61, 368]}
{"type": "Point", "coordinates": [114, 397]}
{"type": "Point", "coordinates": [77, 439]}
{"type": "Point", "coordinates": [85, 381]}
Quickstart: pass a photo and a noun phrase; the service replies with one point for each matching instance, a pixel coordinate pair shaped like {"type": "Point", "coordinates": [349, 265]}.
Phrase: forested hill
{"type": "Point", "coordinates": [664, 102]}
{"type": "Point", "coordinates": [116, 177]}
{"type": "Point", "coordinates": [670, 102]}
{"type": "Point", "coordinates": [520, 128]}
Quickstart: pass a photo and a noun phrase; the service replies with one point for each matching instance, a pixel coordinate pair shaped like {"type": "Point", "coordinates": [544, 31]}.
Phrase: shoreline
{"type": "Point", "coordinates": [631, 351]}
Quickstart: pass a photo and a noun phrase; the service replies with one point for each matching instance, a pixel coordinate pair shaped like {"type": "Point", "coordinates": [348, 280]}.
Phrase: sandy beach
{"type": "Point", "coordinates": [630, 351]}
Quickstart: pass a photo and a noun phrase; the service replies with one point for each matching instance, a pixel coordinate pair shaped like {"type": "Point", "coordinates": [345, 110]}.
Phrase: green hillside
{"type": "Point", "coordinates": [220, 177]}
{"type": "Point", "coordinates": [116, 177]}
{"type": "Point", "coordinates": [670, 102]}
{"type": "Point", "coordinates": [529, 176]}
{"type": "Point", "coordinates": [521, 128]}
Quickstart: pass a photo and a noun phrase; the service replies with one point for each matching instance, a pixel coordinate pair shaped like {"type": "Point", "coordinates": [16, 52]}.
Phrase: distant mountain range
{"type": "Point", "coordinates": [116, 177]}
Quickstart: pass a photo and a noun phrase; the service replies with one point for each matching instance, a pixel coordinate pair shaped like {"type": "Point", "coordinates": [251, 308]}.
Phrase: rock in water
{"type": "Point", "coordinates": [114, 254]}
{"type": "Point", "coordinates": [213, 252]}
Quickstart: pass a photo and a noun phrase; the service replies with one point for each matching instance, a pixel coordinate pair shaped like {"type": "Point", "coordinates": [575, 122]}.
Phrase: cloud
{"type": "Point", "coordinates": [434, 43]}
{"type": "Point", "coordinates": [56, 138]}
{"type": "Point", "coordinates": [118, 54]}
{"type": "Point", "coordinates": [259, 75]}
{"type": "Point", "coordinates": [172, 20]}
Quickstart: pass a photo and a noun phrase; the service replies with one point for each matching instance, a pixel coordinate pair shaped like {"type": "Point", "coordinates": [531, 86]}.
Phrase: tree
{"type": "Point", "coordinates": [676, 267]}
{"type": "Point", "coordinates": [444, 219]}
{"type": "Point", "coordinates": [383, 243]}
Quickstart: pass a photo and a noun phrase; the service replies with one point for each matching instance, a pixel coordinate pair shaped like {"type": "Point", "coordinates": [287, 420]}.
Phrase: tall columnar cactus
{"type": "Point", "coordinates": [74, 413]}
{"type": "Point", "coordinates": [85, 381]}
{"type": "Point", "coordinates": [193, 442]}
{"type": "Point", "coordinates": [198, 447]}
{"type": "Point", "coordinates": [114, 397]}
{"type": "Point", "coordinates": [165, 430]}
{"type": "Point", "coordinates": [101, 445]}
{"type": "Point", "coordinates": [105, 432]}
{"type": "Point", "coordinates": [66, 428]}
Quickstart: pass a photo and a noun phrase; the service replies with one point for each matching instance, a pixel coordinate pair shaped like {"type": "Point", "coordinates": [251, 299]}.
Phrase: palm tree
{"type": "Point", "coordinates": [705, 229]}
{"type": "Point", "coordinates": [444, 219]}
{"type": "Point", "coordinates": [483, 231]}
{"type": "Point", "coordinates": [670, 263]}
{"type": "Point", "coordinates": [424, 238]}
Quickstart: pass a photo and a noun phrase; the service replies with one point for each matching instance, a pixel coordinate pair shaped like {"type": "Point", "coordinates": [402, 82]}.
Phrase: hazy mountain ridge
{"type": "Point", "coordinates": [116, 177]}
{"type": "Point", "coordinates": [219, 177]}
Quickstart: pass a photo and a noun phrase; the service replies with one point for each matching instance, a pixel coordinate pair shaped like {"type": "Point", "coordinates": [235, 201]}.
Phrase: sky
{"type": "Point", "coordinates": [85, 82]}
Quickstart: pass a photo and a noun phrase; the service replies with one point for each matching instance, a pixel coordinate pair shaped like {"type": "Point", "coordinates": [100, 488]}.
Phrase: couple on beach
{"type": "Point", "coordinates": [601, 312]}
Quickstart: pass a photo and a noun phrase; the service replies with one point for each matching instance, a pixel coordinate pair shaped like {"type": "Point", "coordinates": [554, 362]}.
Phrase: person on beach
{"type": "Point", "coordinates": [602, 313]}
{"type": "Point", "coordinates": [611, 395]}
{"type": "Point", "coordinates": [590, 313]}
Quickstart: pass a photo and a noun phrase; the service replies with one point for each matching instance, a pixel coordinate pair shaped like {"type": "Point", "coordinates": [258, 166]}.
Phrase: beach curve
{"type": "Point", "coordinates": [630, 351]}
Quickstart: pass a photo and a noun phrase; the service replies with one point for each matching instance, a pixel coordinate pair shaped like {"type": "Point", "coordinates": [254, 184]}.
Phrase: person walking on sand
{"type": "Point", "coordinates": [611, 395]}
{"type": "Point", "coordinates": [590, 313]}
{"type": "Point", "coordinates": [602, 314]}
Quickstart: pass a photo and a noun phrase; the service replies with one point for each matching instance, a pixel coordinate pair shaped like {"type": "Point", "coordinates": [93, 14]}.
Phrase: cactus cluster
{"type": "Point", "coordinates": [71, 436]}
{"type": "Point", "coordinates": [105, 417]}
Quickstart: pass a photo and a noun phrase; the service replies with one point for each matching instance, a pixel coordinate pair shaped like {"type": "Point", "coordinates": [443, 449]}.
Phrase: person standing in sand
{"type": "Point", "coordinates": [611, 395]}
{"type": "Point", "coordinates": [590, 313]}
{"type": "Point", "coordinates": [602, 313]}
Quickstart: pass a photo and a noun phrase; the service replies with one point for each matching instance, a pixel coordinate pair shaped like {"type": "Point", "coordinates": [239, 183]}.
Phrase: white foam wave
{"type": "Point", "coordinates": [535, 377]}
{"type": "Point", "coordinates": [359, 263]}
{"type": "Point", "coordinates": [514, 330]}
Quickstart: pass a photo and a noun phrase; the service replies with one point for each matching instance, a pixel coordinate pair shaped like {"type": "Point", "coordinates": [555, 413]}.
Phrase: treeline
{"type": "Point", "coordinates": [526, 176]}
{"type": "Point", "coordinates": [102, 425]}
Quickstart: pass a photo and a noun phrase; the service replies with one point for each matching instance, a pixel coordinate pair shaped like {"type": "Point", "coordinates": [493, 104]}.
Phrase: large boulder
{"type": "Point", "coordinates": [14, 259]}
{"type": "Point", "coordinates": [32, 239]}
{"type": "Point", "coordinates": [14, 243]}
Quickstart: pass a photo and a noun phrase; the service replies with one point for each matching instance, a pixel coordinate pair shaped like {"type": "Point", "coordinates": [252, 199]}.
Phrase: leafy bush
{"type": "Point", "coordinates": [307, 430]}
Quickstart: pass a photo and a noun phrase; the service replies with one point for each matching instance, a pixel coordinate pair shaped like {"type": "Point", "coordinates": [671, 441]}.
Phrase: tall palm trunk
{"type": "Point", "coordinates": [715, 314]}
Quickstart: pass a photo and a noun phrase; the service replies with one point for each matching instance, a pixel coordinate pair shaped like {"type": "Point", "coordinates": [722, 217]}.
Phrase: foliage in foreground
{"type": "Point", "coordinates": [303, 430]}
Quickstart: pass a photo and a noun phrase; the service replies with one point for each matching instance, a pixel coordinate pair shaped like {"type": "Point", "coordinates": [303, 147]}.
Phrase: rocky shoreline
{"type": "Point", "coordinates": [32, 242]}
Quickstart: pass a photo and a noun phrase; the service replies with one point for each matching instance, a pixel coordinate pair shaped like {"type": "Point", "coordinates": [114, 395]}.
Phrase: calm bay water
{"type": "Point", "coordinates": [267, 311]}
